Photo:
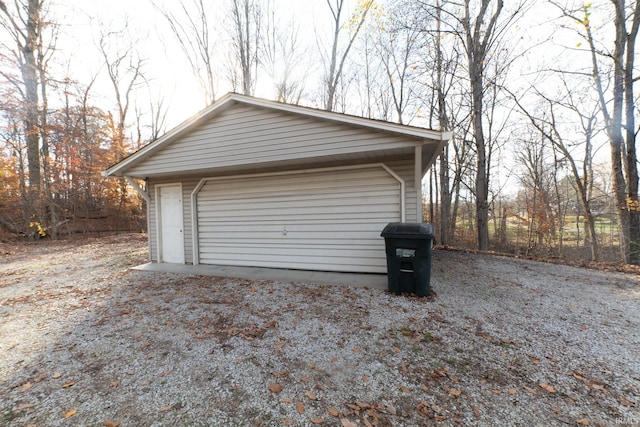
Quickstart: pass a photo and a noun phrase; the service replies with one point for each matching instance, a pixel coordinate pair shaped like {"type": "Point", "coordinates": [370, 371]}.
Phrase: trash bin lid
{"type": "Point", "coordinates": [408, 230]}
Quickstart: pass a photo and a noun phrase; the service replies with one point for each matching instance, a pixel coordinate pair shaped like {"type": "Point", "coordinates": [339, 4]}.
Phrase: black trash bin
{"type": "Point", "coordinates": [408, 247]}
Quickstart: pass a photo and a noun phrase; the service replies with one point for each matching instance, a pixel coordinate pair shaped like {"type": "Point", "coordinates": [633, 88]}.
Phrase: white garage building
{"type": "Point", "coordinates": [250, 182]}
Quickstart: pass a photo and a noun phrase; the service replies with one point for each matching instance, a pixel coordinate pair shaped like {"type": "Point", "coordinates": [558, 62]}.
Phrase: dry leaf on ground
{"type": "Point", "coordinates": [275, 388]}
{"type": "Point", "coordinates": [346, 423]}
{"type": "Point", "coordinates": [70, 413]}
{"type": "Point", "coordinates": [547, 387]}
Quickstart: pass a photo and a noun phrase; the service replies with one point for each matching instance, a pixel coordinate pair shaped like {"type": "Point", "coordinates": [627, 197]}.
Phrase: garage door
{"type": "Point", "coordinates": [326, 220]}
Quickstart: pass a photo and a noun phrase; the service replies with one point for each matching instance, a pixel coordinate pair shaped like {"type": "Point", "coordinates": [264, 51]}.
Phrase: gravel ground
{"type": "Point", "coordinates": [86, 342]}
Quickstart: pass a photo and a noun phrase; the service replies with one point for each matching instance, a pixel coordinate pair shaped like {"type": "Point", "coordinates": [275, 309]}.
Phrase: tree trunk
{"type": "Point", "coordinates": [477, 38]}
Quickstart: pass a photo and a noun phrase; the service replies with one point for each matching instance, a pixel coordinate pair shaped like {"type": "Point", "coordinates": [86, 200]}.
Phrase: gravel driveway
{"type": "Point", "coordinates": [84, 341]}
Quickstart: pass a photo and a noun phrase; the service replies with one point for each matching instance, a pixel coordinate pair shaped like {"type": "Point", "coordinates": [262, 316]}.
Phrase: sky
{"type": "Point", "coordinates": [165, 63]}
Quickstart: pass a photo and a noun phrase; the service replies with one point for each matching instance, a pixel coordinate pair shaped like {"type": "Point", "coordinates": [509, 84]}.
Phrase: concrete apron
{"type": "Point", "coordinates": [371, 280]}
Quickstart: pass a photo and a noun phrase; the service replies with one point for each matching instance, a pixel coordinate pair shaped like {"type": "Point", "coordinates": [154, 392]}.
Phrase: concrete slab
{"type": "Point", "coordinates": [371, 280]}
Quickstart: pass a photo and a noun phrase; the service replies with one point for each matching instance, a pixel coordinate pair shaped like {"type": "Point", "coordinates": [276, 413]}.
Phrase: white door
{"type": "Point", "coordinates": [326, 220]}
{"type": "Point", "coordinates": [171, 224]}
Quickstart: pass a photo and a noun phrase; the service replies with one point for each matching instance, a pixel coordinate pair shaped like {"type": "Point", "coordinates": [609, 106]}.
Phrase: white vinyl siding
{"type": "Point", "coordinates": [318, 220]}
{"type": "Point", "coordinates": [247, 135]}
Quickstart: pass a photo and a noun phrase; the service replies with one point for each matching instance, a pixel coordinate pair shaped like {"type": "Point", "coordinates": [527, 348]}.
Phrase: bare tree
{"type": "Point", "coordinates": [192, 29]}
{"type": "Point", "coordinates": [551, 124]}
{"type": "Point", "coordinates": [124, 68]}
{"type": "Point", "coordinates": [334, 60]}
{"type": "Point", "coordinates": [398, 46]}
{"type": "Point", "coordinates": [619, 113]}
{"type": "Point", "coordinates": [26, 26]}
{"type": "Point", "coordinates": [246, 22]}
{"type": "Point", "coordinates": [282, 56]}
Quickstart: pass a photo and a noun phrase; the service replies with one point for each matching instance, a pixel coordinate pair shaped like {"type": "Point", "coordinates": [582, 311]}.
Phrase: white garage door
{"type": "Point", "coordinates": [327, 220]}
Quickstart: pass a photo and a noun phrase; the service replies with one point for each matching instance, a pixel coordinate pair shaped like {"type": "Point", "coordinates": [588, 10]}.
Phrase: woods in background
{"type": "Point", "coordinates": [540, 95]}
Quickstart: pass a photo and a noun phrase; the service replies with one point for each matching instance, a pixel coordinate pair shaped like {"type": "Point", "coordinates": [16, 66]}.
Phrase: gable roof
{"type": "Point", "coordinates": [419, 135]}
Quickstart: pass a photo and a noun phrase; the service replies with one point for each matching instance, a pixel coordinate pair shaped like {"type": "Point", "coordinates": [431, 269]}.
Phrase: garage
{"type": "Point", "coordinates": [327, 220]}
{"type": "Point", "coordinates": [249, 182]}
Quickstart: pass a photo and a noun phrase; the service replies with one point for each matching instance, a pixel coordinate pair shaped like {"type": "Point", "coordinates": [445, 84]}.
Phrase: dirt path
{"type": "Point", "coordinates": [84, 341]}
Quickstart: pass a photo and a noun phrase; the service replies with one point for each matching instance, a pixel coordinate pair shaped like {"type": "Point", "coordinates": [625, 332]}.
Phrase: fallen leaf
{"type": "Point", "coordinates": [24, 406]}
{"type": "Point", "coordinates": [365, 378]}
{"type": "Point", "coordinates": [68, 384]}
{"type": "Point", "coordinates": [363, 405]}
{"type": "Point", "coordinates": [109, 423]}
{"type": "Point", "coordinates": [547, 387]}
{"type": "Point", "coordinates": [305, 379]}
{"type": "Point", "coordinates": [536, 361]}
{"type": "Point", "coordinates": [282, 374]}
{"type": "Point", "coordinates": [287, 422]}
{"type": "Point", "coordinates": [583, 422]}
{"type": "Point", "coordinates": [168, 408]}
{"type": "Point", "coordinates": [300, 407]}
{"type": "Point", "coordinates": [556, 409]}
{"type": "Point", "coordinates": [405, 389]}
{"type": "Point", "coordinates": [476, 411]}
{"type": "Point", "coordinates": [56, 375]}
{"type": "Point", "coordinates": [285, 400]}
{"type": "Point", "coordinates": [390, 410]}
{"type": "Point", "coordinates": [346, 423]}
{"type": "Point", "coordinates": [317, 420]}
{"type": "Point", "coordinates": [455, 393]}
{"type": "Point", "coordinates": [512, 391]}
{"type": "Point", "coordinates": [70, 413]}
{"type": "Point", "coordinates": [529, 389]}
{"type": "Point", "coordinates": [356, 349]}
{"type": "Point", "coordinates": [333, 412]}
{"type": "Point", "coordinates": [626, 402]}
{"type": "Point", "coordinates": [396, 349]}
{"type": "Point", "coordinates": [275, 388]}
{"type": "Point", "coordinates": [25, 387]}
{"type": "Point", "coordinates": [310, 395]}
{"type": "Point", "coordinates": [40, 377]}
{"type": "Point", "coordinates": [114, 384]}
{"type": "Point", "coordinates": [496, 391]}
{"type": "Point", "coordinates": [597, 386]}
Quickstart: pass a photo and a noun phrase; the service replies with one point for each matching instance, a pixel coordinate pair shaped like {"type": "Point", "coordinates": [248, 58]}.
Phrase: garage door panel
{"type": "Point", "coordinates": [307, 199]}
{"type": "Point", "coordinates": [301, 262]}
{"type": "Point", "coordinates": [316, 182]}
{"type": "Point", "coordinates": [321, 220]}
